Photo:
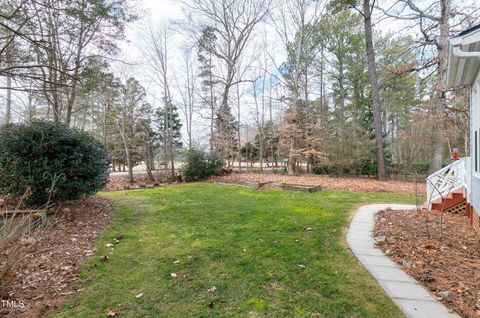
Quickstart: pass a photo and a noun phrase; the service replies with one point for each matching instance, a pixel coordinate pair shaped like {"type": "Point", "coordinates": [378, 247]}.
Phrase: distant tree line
{"type": "Point", "coordinates": [331, 93]}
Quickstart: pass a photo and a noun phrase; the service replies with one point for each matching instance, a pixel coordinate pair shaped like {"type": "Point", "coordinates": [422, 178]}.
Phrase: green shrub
{"type": "Point", "coordinates": [320, 169]}
{"type": "Point", "coordinates": [327, 169]}
{"type": "Point", "coordinates": [369, 169]}
{"type": "Point", "coordinates": [199, 165]}
{"type": "Point", "coordinates": [32, 155]}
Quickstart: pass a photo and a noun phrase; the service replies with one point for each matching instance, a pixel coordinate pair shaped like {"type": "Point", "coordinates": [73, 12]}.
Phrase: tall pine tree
{"type": "Point", "coordinates": [169, 134]}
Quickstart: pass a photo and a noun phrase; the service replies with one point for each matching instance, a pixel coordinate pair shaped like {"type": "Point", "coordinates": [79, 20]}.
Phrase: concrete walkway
{"type": "Point", "coordinates": [411, 297]}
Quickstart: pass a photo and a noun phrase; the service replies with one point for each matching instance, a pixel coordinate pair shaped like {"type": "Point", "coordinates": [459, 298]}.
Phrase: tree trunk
{"type": "Point", "coordinates": [8, 110]}
{"type": "Point", "coordinates": [31, 107]}
{"type": "Point", "coordinates": [439, 107]}
{"type": "Point", "coordinates": [272, 137]}
{"type": "Point", "coordinates": [291, 160]}
{"type": "Point", "coordinates": [223, 120]}
{"type": "Point", "coordinates": [147, 158]}
{"type": "Point", "coordinates": [129, 165]}
{"type": "Point", "coordinates": [172, 162]}
{"type": "Point", "coordinates": [341, 119]}
{"type": "Point", "coordinates": [377, 120]}
{"type": "Point", "coordinates": [238, 131]}
{"type": "Point", "coordinates": [212, 110]}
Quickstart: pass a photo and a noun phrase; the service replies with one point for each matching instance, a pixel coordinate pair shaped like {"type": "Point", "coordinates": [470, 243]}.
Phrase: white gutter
{"type": "Point", "coordinates": [457, 51]}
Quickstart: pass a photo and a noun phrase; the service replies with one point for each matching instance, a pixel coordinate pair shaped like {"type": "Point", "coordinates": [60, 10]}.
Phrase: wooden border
{"type": "Point", "coordinates": [301, 187]}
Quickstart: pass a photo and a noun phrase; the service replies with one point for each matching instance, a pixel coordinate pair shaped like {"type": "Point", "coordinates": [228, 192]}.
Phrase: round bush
{"type": "Point", "coordinates": [35, 154]}
{"type": "Point", "coordinates": [199, 165]}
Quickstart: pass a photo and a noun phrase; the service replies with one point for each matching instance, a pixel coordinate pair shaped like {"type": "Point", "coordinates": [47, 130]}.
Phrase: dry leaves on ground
{"type": "Point", "coordinates": [326, 182]}
{"type": "Point", "coordinates": [449, 267]}
{"type": "Point", "coordinates": [121, 183]}
{"type": "Point", "coordinates": [48, 260]}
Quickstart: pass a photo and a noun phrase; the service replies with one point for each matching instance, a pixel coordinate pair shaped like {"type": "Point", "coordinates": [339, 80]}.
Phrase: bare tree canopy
{"type": "Point", "coordinates": [332, 86]}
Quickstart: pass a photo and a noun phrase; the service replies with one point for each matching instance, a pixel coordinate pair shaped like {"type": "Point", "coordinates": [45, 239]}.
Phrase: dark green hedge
{"type": "Point", "coordinates": [32, 155]}
{"type": "Point", "coordinates": [199, 165]}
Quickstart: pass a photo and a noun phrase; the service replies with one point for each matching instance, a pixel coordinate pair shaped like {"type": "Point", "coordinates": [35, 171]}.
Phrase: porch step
{"type": "Point", "coordinates": [451, 201]}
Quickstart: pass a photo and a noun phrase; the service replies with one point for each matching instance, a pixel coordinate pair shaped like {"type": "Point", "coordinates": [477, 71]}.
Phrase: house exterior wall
{"type": "Point", "coordinates": [474, 191]}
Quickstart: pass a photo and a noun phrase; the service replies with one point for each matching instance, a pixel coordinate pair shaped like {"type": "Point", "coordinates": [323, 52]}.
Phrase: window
{"type": "Point", "coordinates": [476, 151]}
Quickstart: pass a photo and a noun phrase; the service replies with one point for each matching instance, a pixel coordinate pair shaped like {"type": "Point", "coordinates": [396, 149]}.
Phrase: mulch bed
{"type": "Point", "coordinates": [47, 261]}
{"type": "Point", "coordinates": [122, 183]}
{"type": "Point", "coordinates": [449, 266]}
{"type": "Point", "coordinates": [326, 182]}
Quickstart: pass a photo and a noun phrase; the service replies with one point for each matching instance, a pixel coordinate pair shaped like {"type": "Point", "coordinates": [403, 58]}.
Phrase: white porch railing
{"type": "Point", "coordinates": [447, 179]}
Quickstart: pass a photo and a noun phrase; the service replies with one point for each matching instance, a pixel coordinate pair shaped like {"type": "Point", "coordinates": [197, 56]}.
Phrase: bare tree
{"type": "Point", "coordinates": [436, 20]}
{"type": "Point", "coordinates": [155, 48]}
{"type": "Point", "coordinates": [232, 22]}
{"type": "Point", "coordinates": [52, 54]}
{"type": "Point", "coordinates": [260, 110]}
{"type": "Point", "coordinates": [239, 103]}
{"type": "Point", "coordinates": [187, 91]}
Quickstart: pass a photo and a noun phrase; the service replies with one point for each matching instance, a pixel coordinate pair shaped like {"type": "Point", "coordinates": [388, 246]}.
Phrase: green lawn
{"type": "Point", "coordinates": [246, 243]}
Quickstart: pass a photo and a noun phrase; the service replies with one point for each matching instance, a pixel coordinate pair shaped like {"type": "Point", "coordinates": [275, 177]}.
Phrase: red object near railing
{"type": "Point", "coordinates": [455, 154]}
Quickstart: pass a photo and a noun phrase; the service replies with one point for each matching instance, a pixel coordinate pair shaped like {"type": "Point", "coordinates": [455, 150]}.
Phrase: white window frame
{"type": "Point", "coordinates": [475, 127]}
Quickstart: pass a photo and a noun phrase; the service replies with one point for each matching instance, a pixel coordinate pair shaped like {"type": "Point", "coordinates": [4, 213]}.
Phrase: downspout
{"type": "Point", "coordinates": [457, 51]}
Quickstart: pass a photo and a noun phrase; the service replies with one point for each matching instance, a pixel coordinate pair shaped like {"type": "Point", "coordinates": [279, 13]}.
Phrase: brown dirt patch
{"type": "Point", "coordinates": [448, 266]}
{"type": "Point", "coordinates": [351, 184]}
{"type": "Point", "coordinates": [47, 260]}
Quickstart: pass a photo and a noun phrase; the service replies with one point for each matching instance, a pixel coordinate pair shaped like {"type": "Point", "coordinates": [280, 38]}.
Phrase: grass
{"type": "Point", "coordinates": [246, 243]}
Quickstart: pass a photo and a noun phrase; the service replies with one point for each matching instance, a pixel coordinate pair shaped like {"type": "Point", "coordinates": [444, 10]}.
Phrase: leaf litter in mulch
{"type": "Point", "coordinates": [46, 262]}
{"type": "Point", "coordinates": [448, 265]}
{"type": "Point", "coordinates": [326, 182]}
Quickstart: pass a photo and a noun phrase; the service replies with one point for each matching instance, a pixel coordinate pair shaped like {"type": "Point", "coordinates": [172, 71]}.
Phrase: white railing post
{"type": "Point", "coordinates": [447, 179]}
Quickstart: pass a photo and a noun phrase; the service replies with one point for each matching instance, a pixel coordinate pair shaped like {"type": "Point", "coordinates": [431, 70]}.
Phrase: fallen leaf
{"type": "Point", "coordinates": [139, 296]}
{"type": "Point", "coordinates": [104, 258]}
{"type": "Point", "coordinates": [173, 275]}
{"type": "Point", "coordinates": [108, 245]}
{"type": "Point", "coordinates": [111, 313]}
{"type": "Point", "coordinates": [210, 304]}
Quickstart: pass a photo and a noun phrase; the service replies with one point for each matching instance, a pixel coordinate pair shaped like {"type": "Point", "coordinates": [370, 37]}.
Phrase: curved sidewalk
{"type": "Point", "coordinates": [411, 297]}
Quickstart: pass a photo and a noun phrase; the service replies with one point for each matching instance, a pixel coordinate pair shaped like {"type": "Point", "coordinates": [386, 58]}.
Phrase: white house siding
{"type": "Point", "coordinates": [475, 145]}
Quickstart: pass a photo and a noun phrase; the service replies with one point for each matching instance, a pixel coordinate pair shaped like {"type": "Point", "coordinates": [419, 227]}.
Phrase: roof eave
{"type": "Point", "coordinates": [457, 64]}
